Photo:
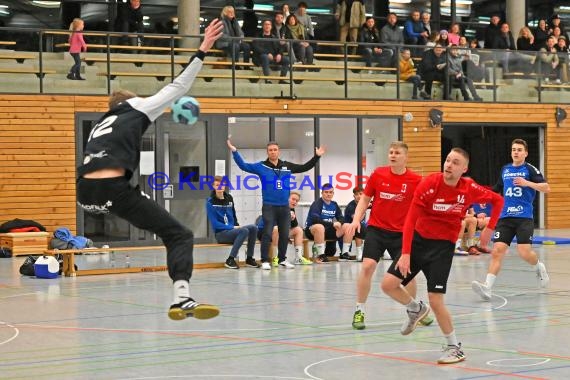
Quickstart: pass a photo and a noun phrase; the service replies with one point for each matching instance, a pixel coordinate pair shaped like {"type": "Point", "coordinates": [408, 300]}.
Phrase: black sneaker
{"type": "Point", "coordinates": [231, 263]}
{"type": "Point", "coordinates": [250, 262]}
{"type": "Point", "coordinates": [191, 308]}
{"type": "Point", "coordinates": [322, 259]}
{"type": "Point", "coordinates": [346, 257]}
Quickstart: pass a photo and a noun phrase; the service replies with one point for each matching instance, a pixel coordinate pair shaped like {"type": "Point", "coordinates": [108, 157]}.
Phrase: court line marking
{"type": "Point", "coordinates": [16, 333]}
{"type": "Point", "coordinates": [293, 344]}
{"type": "Point", "coordinates": [211, 375]}
{"type": "Point", "coordinates": [496, 361]}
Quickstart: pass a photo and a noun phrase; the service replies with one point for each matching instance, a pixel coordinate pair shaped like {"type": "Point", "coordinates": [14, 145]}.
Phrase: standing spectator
{"type": "Point", "coordinates": [232, 42]}
{"type": "Point", "coordinates": [426, 21]}
{"type": "Point", "coordinates": [433, 68]}
{"type": "Point", "coordinates": [525, 40]}
{"type": "Point", "coordinates": [130, 20]}
{"type": "Point", "coordinates": [549, 62]}
{"type": "Point", "coordinates": [296, 31]}
{"type": "Point", "coordinates": [359, 234]}
{"type": "Point", "coordinates": [555, 21]}
{"type": "Point", "coordinates": [304, 19]}
{"type": "Point", "coordinates": [326, 222]}
{"type": "Point", "coordinates": [221, 211]}
{"type": "Point", "coordinates": [562, 49]}
{"type": "Point", "coordinates": [541, 34]}
{"type": "Point", "coordinates": [351, 15]}
{"type": "Point", "coordinates": [76, 46]}
{"type": "Point", "coordinates": [371, 50]}
{"type": "Point", "coordinates": [414, 32]}
{"type": "Point", "coordinates": [454, 34]}
{"type": "Point", "coordinates": [492, 31]}
{"type": "Point", "coordinates": [504, 41]}
{"type": "Point", "coordinates": [408, 73]}
{"type": "Point", "coordinates": [267, 50]}
{"type": "Point", "coordinates": [249, 26]}
{"type": "Point", "coordinates": [275, 177]}
{"type": "Point", "coordinates": [458, 77]}
{"type": "Point", "coordinates": [392, 37]}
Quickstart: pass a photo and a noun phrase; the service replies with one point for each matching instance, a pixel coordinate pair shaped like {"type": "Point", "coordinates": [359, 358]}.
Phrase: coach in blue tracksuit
{"type": "Point", "coordinates": [275, 176]}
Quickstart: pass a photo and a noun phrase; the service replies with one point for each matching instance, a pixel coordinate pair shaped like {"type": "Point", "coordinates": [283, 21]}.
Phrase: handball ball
{"type": "Point", "coordinates": [185, 110]}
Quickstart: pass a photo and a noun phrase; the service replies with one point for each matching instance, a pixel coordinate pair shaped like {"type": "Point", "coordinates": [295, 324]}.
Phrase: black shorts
{"type": "Point", "coordinates": [433, 257]}
{"type": "Point", "coordinates": [378, 240]}
{"type": "Point", "coordinates": [330, 233]}
{"type": "Point", "coordinates": [362, 233]}
{"type": "Point", "coordinates": [508, 228]}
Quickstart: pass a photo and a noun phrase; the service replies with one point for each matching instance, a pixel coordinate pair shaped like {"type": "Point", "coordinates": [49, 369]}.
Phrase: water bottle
{"type": "Point", "coordinates": [127, 261]}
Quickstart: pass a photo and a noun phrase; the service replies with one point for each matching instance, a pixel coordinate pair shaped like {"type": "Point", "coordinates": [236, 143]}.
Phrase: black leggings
{"type": "Point", "coordinates": [118, 197]}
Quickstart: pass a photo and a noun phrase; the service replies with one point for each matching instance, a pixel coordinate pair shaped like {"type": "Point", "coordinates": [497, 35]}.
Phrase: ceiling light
{"type": "Point", "coordinates": [46, 4]}
{"type": "Point", "coordinates": [263, 7]}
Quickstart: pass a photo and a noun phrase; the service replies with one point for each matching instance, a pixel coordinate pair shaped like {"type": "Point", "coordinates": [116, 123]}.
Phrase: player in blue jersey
{"type": "Point", "coordinates": [518, 183]}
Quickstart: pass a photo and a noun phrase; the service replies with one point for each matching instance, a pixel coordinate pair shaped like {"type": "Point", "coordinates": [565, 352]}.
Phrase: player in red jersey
{"type": "Point", "coordinates": [391, 189]}
{"type": "Point", "coordinates": [428, 242]}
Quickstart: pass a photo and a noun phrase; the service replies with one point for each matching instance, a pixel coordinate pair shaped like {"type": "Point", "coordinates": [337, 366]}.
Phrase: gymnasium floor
{"type": "Point", "coordinates": [281, 324]}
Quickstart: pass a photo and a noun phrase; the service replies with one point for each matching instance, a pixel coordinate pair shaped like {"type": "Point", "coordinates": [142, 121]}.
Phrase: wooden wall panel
{"type": "Point", "coordinates": [37, 136]}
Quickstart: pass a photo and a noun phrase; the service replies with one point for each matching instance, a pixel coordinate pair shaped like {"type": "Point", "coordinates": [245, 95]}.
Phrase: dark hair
{"type": "Point", "coordinates": [272, 143]}
{"type": "Point", "coordinates": [278, 13]}
{"type": "Point", "coordinates": [357, 189]}
{"type": "Point", "coordinates": [326, 186]}
{"type": "Point", "coordinates": [302, 4]}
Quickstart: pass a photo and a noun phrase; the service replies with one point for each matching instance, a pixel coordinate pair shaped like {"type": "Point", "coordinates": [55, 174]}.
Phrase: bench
{"type": "Point", "coordinates": [24, 243]}
{"type": "Point", "coordinates": [142, 48]}
{"type": "Point", "coordinates": [7, 43]}
{"type": "Point", "coordinates": [69, 259]}
{"type": "Point", "coordinates": [39, 74]}
{"type": "Point", "coordinates": [20, 58]}
{"type": "Point", "coordinates": [178, 60]}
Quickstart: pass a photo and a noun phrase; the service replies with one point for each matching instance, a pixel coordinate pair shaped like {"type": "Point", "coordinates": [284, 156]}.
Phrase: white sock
{"type": "Point", "coordinates": [345, 247]}
{"type": "Point", "coordinates": [320, 248]}
{"type": "Point", "coordinates": [458, 244]}
{"type": "Point", "coordinates": [413, 306]}
{"type": "Point", "coordinates": [181, 290]}
{"type": "Point", "coordinates": [536, 265]}
{"type": "Point", "coordinates": [359, 252]}
{"type": "Point", "coordinates": [451, 339]}
{"type": "Point", "coordinates": [490, 280]}
{"type": "Point", "coordinates": [360, 307]}
{"type": "Point", "coordinates": [299, 251]}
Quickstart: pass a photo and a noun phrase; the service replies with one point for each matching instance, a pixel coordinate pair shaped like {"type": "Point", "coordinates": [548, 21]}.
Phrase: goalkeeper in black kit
{"type": "Point", "coordinates": [112, 155]}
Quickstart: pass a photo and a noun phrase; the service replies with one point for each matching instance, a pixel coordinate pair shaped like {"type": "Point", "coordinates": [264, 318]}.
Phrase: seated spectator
{"type": "Point", "coordinates": [549, 64]}
{"type": "Point", "coordinates": [372, 51]}
{"type": "Point", "coordinates": [458, 77]}
{"type": "Point", "coordinates": [556, 32]}
{"type": "Point", "coordinates": [525, 40]}
{"type": "Point", "coordinates": [541, 34]}
{"type": "Point", "coordinates": [278, 30]}
{"type": "Point", "coordinates": [414, 32]}
{"type": "Point", "coordinates": [556, 22]}
{"type": "Point", "coordinates": [471, 64]}
{"type": "Point", "coordinates": [433, 68]}
{"type": "Point", "coordinates": [391, 37]}
{"type": "Point", "coordinates": [482, 212]}
{"type": "Point", "coordinates": [285, 10]}
{"type": "Point", "coordinates": [563, 51]}
{"type": "Point", "coordinates": [296, 31]}
{"type": "Point", "coordinates": [465, 240]}
{"type": "Point", "coordinates": [443, 38]}
{"type": "Point", "coordinates": [525, 44]}
{"type": "Point", "coordinates": [222, 215]}
{"type": "Point", "coordinates": [325, 222]}
{"type": "Point", "coordinates": [432, 40]}
{"type": "Point", "coordinates": [231, 42]}
{"type": "Point", "coordinates": [454, 34]}
{"type": "Point", "coordinates": [408, 73]}
{"type": "Point", "coordinates": [267, 50]}
{"type": "Point", "coordinates": [349, 216]}
{"type": "Point", "coordinates": [351, 15]}
{"type": "Point", "coordinates": [295, 233]}
{"type": "Point", "coordinates": [426, 21]}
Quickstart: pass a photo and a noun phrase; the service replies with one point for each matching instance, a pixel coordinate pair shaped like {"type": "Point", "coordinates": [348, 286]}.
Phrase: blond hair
{"type": "Point", "coordinates": [226, 9]}
{"type": "Point", "coordinates": [399, 145]}
{"type": "Point", "coordinates": [75, 24]}
{"type": "Point", "coordinates": [119, 96]}
{"type": "Point", "coordinates": [293, 192]}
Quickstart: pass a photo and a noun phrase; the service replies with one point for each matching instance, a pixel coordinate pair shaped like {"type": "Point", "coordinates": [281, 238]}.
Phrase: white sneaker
{"type": "Point", "coordinates": [482, 290]}
{"type": "Point", "coordinates": [452, 354]}
{"type": "Point", "coordinates": [286, 264]}
{"type": "Point", "coordinates": [414, 317]}
{"type": "Point", "coordinates": [265, 266]}
{"type": "Point", "coordinates": [542, 275]}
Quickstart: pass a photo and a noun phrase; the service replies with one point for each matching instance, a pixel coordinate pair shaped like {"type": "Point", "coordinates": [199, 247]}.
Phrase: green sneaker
{"type": "Point", "coordinates": [275, 262]}
{"type": "Point", "coordinates": [358, 320]}
{"type": "Point", "coordinates": [427, 320]}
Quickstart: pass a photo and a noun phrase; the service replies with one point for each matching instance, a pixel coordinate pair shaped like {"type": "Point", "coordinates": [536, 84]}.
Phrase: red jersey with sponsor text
{"type": "Point", "coordinates": [437, 209]}
{"type": "Point", "coordinates": [392, 195]}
